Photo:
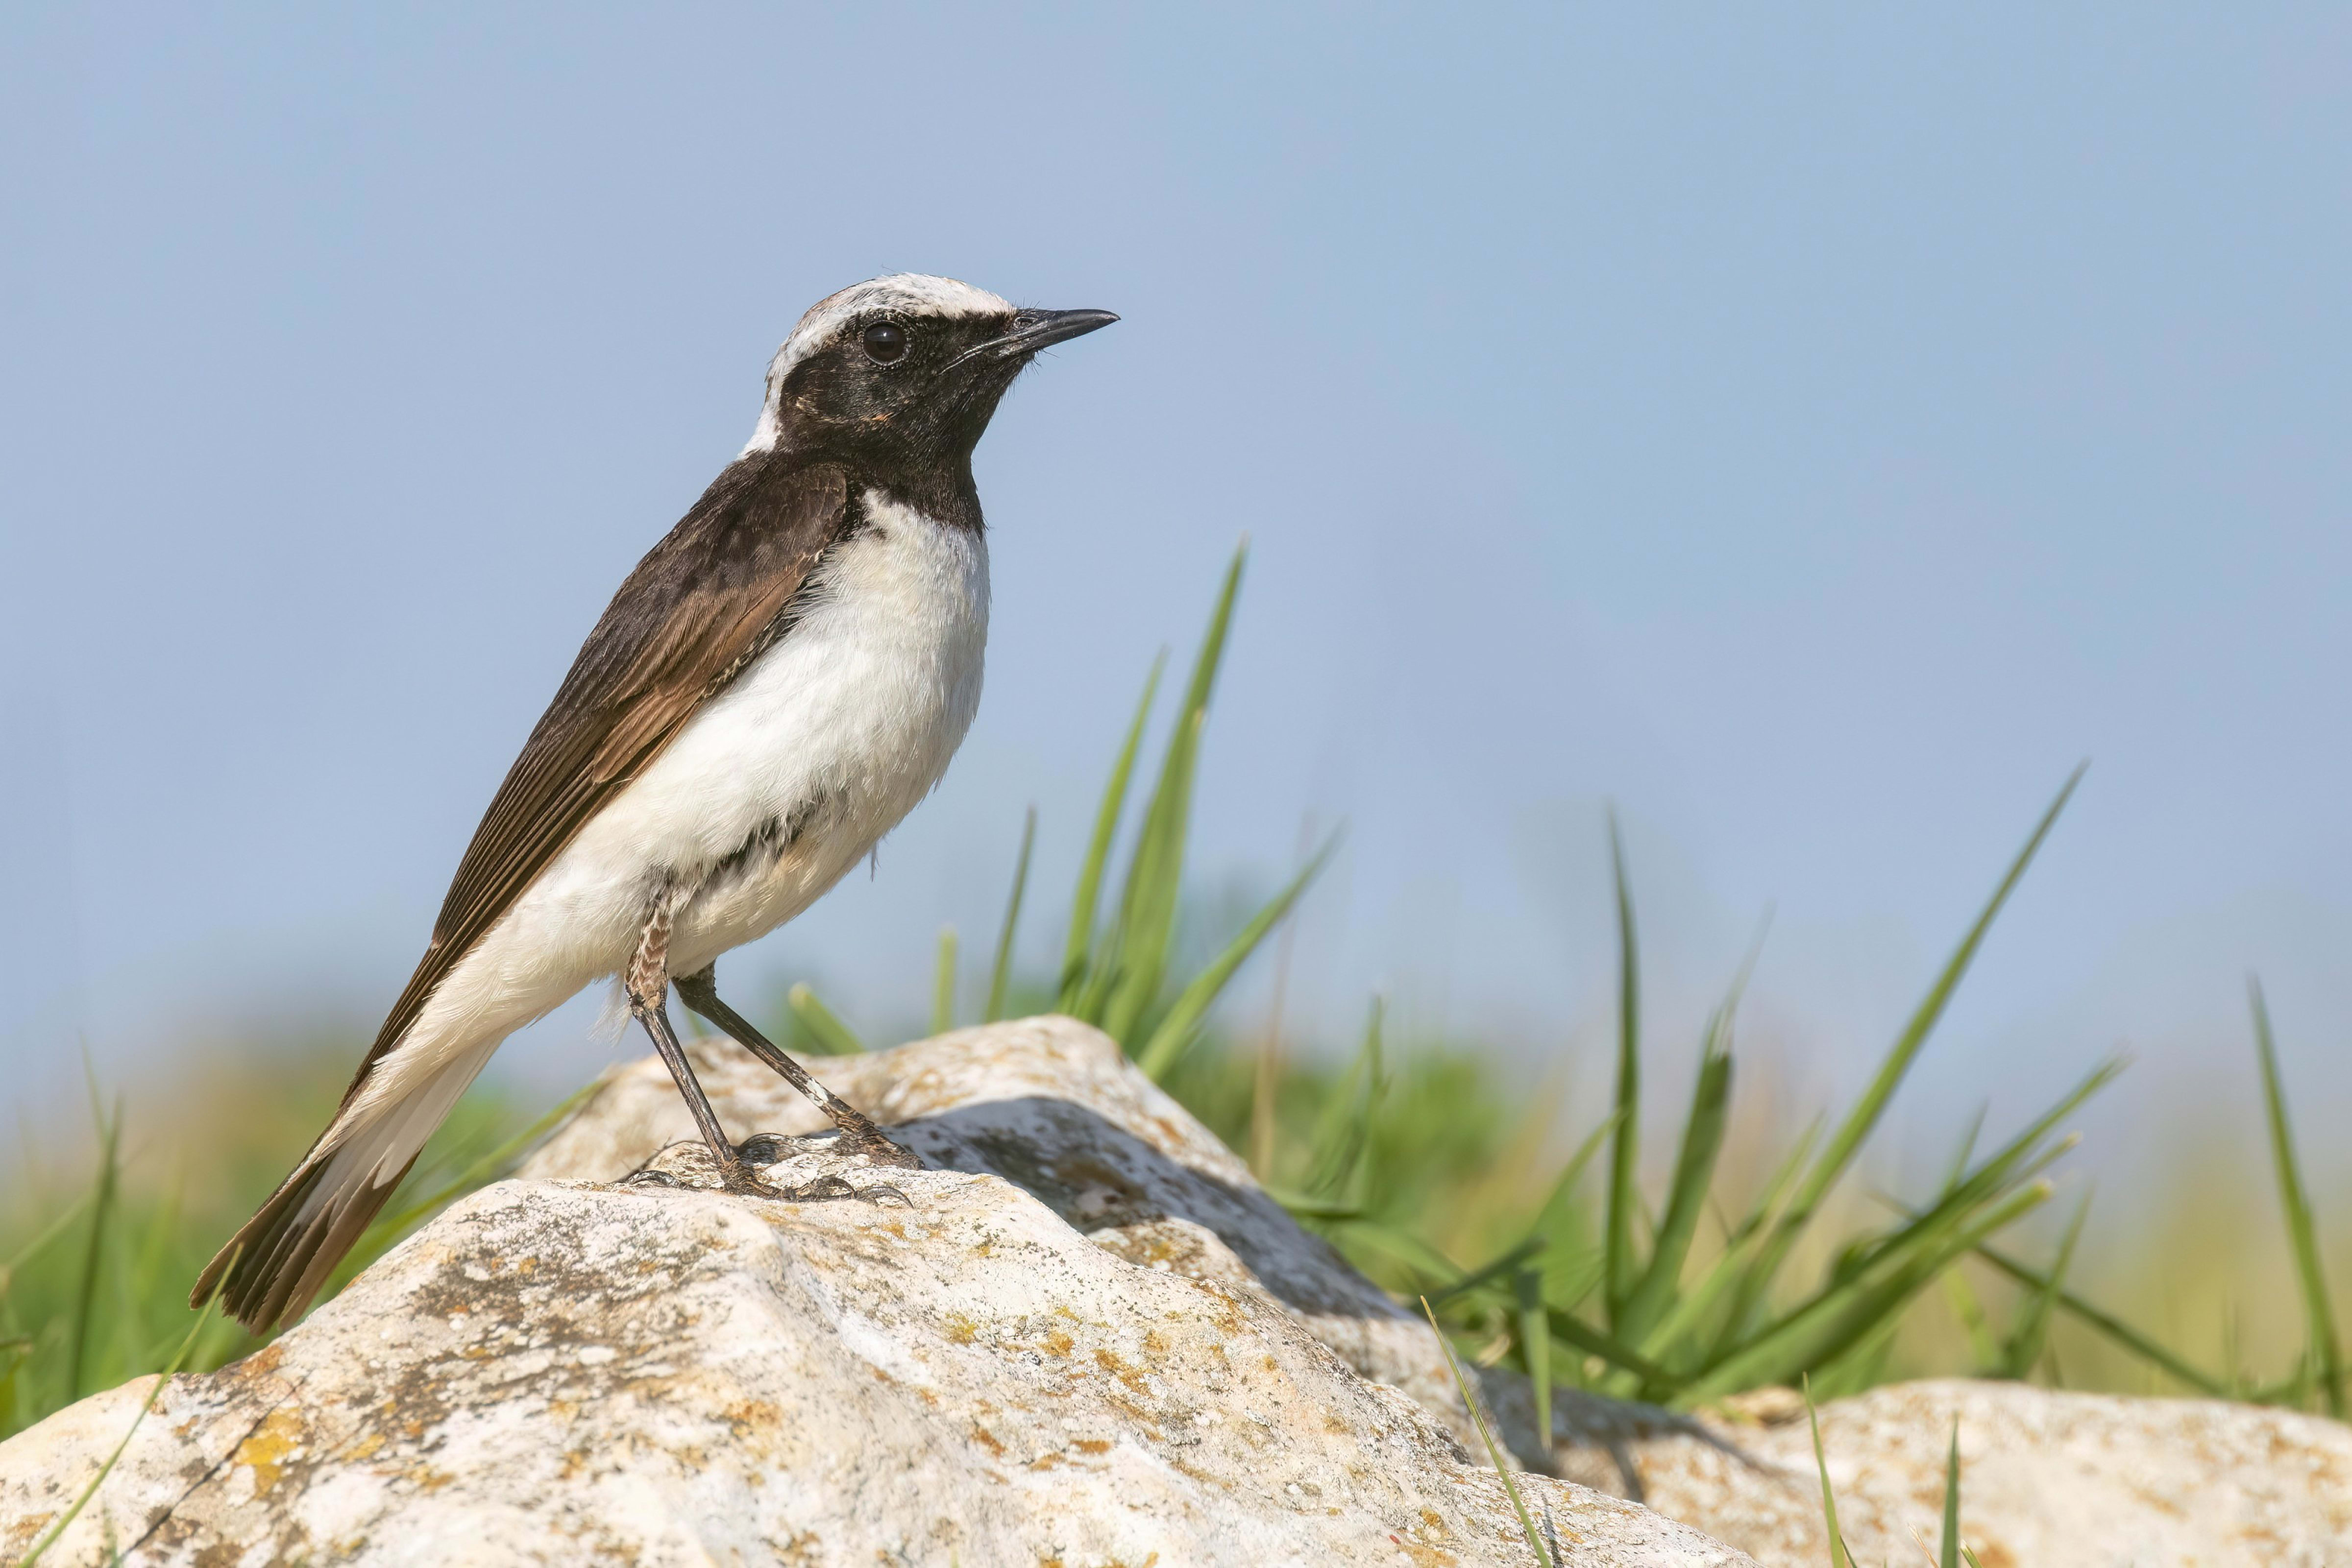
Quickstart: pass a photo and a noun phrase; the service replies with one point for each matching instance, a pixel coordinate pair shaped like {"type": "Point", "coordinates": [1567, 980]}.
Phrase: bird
{"type": "Point", "coordinates": [780, 679]}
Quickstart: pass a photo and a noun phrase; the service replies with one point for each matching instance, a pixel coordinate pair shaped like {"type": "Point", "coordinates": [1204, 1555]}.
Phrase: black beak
{"type": "Point", "coordinates": [1035, 329]}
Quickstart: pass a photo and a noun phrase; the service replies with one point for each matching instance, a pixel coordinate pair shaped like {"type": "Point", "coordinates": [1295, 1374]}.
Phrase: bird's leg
{"type": "Point", "coordinates": [646, 980]}
{"type": "Point", "coordinates": [858, 1134]}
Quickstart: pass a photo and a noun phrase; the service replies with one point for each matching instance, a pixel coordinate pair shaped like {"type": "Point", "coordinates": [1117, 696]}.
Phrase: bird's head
{"type": "Point", "coordinates": [910, 364]}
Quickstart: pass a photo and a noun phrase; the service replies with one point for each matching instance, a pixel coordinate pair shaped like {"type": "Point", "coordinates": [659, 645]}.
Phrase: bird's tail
{"type": "Point", "coordinates": [272, 1268]}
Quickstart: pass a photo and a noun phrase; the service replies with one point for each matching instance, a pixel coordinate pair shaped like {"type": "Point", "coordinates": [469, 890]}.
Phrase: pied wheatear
{"type": "Point", "coordinates": [774, 686]}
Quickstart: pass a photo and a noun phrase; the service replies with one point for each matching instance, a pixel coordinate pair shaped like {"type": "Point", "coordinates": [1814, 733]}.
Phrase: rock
{"type": "Point", "coordinates": [1056, 1108]}
{"type": "Point", "coordinates": [555, 1372]}
{"type": "Point", "coordinates": [1085, 1337]}
{"type": "Point", "coordinates": [2087, 1480]}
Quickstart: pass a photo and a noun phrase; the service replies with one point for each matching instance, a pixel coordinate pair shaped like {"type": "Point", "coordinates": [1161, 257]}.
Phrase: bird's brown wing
{"type": "Point", "coordinates": [700, 606]}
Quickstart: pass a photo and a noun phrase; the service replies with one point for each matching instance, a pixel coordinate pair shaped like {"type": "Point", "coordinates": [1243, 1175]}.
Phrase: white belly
{"type": "Point", "coordinates": [838, 731]}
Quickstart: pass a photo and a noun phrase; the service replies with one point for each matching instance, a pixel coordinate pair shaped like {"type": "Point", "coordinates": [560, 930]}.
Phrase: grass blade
{"type": "Point", "coordinates": [943, 983]}
{"type": "Point", "coordinates": [42, 1238]}
{"type": "Point", "coordinates": [1000, 974]}
{"type": "Point", "coordinates": [1494, 1451]}
{"type": "Point", "coordinates": [1568, 1329]}
{"type": "Point", "coordinates": [2325, 1355]}
{"type": "Point", "coordinates": [1078, 954]}
{"type": "Point", "coordinates": [1847, 1141]}
{"type": "Point", "coordinates": [2031, 1331]}
{"type": "Point", "coordinates": [1405, 1246]}
{"type": "Point", "coordinates": [1535, 1345]}
{"type": "Point", "coordinates": [1847, 1313]}
{"type": "Point", "coordinates": [1726, 1277]}
{"type": "Point", "coordinates": [1694, 1164]}
{"type": "Point", "coordinates": [1344, 1131]}
{"type": "Point", "coordinates": [1839, 1556]}
{"type": "Point", "coordinates": [819, 1027]}
{"type": "Point", "coordinates": [1970, 1312]}
{"type": "Point", "coordinates": [1559, 1204]}
{"type": "Point", "coordinates": [1175, 1032]}
{"type": "Point", "coordinates": [2114, 1328]}
{"type": "Point", "coordinates": [1950, 1554]}
{"type": "Point", "coordinates": [109, 1170]}
{"type": "Point", "coordinates": [1146, 917]}
{"type": "Point", "coordinates": [1487, 1272]}
{"type": "Point", "coordinates": [179, 1359]}
{"type": "Point", "coordinates": [1625, 1139]}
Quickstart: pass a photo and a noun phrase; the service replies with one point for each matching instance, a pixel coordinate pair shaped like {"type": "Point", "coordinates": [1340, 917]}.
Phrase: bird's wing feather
{"type": "Point", "coordinates": [692, 613]}
{"type": "Point", "coordinates": [701, 605]}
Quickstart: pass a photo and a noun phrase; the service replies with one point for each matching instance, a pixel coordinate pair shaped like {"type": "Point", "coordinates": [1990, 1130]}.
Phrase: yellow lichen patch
{"type": "Point", "coordinates": [1093, 1447]}
{"type": "Point", "coordinates": [266, 1451]}
{"type": "Point", "coordinates": [25, 1532]}
{"type": "Point", "coordinates": [962, 1330]}
{"type": "Point", "coordinates": [1134, 1412]}
{"type": "Point", "coordinates": [1058, 1344]}
{"type": "Point", "coordinates": [1425, 1556]}
{"type": "Point", "coordinates": [1109, 1361]}
{"type": "Point", "coordinates": [1226, 1318]}
{"type": "Point", "coordinates": [1153, 1343]}
{"type": "Point", "coordinates": [749, 1415]}
{"type": "Point", "coordinates": [365, 1448]}
{"type": "Point", "coordinates": [262, 1362]}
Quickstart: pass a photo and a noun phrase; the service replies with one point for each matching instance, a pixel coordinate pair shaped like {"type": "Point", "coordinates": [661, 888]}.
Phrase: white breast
{"type": "Point", "coordinates": [839, 729]}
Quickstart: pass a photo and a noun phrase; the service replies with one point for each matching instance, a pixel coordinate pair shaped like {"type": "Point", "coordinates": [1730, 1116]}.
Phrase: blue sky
{"type": "Point", "coordinates": [1814, 431]}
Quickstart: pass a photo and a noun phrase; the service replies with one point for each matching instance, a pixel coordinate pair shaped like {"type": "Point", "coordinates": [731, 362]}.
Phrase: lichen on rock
{"type": "Point", "coordinates": [653, 1374]}
{"type": "Point", "coordinates": [1083, 1336]}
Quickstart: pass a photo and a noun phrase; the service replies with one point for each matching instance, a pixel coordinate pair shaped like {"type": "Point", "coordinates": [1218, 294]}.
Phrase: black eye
{"type": "Point", "coordinates": [886, 342]}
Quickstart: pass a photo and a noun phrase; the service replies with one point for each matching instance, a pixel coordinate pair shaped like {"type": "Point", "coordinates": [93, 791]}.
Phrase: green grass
{"type": "Point", "coordinates": [1949, 1550]}
{"type": "Point", "coordinates": [94, 1285]}
{"type": "Point", "coordinates": [1486, 1436]}
{"type": "Point", "coordinates": [1741, 1252]}
{"type": "Point", "coordinates": [1615, 1292]}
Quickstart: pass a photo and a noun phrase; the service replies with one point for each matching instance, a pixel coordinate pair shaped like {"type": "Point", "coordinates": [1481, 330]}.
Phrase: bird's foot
{"type": "Point", "coordinates": [769, 1148]}
{"type": "Point", "coordinates": [878, 1147]}
{"type": "Point", "coordinates": [738, 1177]}
{"type": "Point", "coordinates": [828, 1187]}
{"type": "Point", "coordinates": [763, 1148]}
{"type": "Point", "coordinates": [695, 1165]}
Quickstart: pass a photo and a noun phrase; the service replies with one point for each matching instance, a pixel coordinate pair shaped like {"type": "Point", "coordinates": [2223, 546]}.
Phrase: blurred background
{"type": "Point", "coordinates": [1814, 431]}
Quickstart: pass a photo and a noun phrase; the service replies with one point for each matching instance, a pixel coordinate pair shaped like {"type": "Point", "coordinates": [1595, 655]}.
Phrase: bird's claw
{"type": "Point", "coordinates": [879, 1148]}
{"type": "Point", "coordinates": [740, 1180]}
{"type": "Point", "coordinates": [823, 1187]}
